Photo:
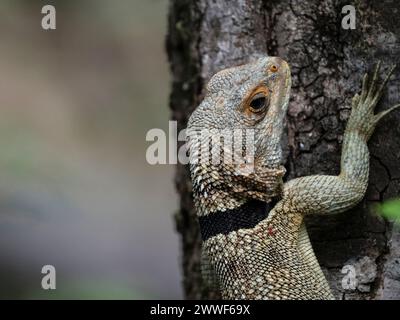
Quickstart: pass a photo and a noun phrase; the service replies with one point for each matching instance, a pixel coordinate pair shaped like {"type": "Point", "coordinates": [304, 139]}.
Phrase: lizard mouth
{"type": "Point", "coordinates": [269, 172]}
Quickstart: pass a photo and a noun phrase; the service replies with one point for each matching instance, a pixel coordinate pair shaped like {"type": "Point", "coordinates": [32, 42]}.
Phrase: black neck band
{"type": "Point", "coordinates": [246, 216]}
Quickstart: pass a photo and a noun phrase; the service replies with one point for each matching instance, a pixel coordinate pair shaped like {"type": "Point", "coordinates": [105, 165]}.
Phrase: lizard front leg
{"type": "Point", "coordinates": [324, 194]}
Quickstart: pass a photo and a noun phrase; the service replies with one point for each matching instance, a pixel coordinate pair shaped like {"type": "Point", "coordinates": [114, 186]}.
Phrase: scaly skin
{"type": "Point", "coordinates": [256, 255]}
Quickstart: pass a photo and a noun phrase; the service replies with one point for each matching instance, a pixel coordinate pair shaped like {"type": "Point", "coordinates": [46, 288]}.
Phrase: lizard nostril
{"type": "Point", "coordinates": [273, 68]}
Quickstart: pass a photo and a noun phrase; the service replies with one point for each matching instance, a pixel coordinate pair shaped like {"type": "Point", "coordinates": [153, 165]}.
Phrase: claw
{"type": "Point", "coordinates": [362, 115]}
{"type": "Point", "coordinates": [355, 100]}
{"type": "Point", "coordinates": [374, 83]}
{"type": "Point", "coordinates": [364, 89]}
{"type": "Point", "coordinates": [379, 93]}
{"type": "Point", "coordinates": [380, 115]}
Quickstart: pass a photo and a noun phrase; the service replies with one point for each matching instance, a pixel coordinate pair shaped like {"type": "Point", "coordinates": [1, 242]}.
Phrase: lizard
{"type": "Point", "coordinates": [254, 240]}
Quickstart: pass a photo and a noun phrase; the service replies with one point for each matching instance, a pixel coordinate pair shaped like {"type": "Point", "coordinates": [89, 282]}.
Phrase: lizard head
{"type": "Point", "coordinates": [240, 120]}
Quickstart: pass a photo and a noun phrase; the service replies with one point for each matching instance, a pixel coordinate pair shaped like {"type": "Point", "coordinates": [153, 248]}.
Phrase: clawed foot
{"type": "Point", "coordinates": [362, 116]}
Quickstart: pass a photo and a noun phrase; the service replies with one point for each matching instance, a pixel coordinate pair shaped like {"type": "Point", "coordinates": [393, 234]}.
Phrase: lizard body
{"type": "Point", "coordinates": [252, 227]}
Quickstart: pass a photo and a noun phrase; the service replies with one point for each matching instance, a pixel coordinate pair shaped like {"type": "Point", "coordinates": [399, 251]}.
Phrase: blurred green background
{"type": "Point", "coordinates": [76, 191]}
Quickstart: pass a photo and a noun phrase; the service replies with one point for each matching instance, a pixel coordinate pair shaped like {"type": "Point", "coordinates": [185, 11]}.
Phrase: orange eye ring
{"type": "Point", "coordinates": [273, 68]}
{"type": "Point", "coordinates": [258, 100]}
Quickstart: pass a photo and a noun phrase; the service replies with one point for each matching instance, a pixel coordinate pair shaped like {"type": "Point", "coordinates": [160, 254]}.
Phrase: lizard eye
{"type": "Point", "coordinates": [258, 103]}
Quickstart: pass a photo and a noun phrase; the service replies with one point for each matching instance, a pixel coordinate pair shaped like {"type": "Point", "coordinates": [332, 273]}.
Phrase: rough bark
{"type": "Point", "coordinates": [327, 65]}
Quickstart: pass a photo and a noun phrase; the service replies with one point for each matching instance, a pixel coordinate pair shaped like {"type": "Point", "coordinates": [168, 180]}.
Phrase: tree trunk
{"type": "Point", "coordinates": [327, 65]}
